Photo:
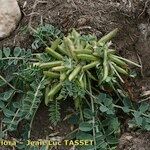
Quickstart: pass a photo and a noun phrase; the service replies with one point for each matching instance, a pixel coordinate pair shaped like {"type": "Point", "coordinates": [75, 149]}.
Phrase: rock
{"type": "Point", "coordinates": [10, 15]}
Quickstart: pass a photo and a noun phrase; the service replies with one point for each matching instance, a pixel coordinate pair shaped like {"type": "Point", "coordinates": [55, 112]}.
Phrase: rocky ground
{"type": "Point", "coordinates": [132, 17]}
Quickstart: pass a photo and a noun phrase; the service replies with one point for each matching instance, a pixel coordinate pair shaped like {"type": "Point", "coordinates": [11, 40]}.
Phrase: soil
{"type": "Point", "coordinates": [97, 17]}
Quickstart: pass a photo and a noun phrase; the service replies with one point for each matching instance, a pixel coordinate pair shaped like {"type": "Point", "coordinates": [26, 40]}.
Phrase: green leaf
{"type": "Point", "coordinates": [102, 97]}
{"type": "Point", "coordinates": [88, 113]}
{"type": "Point", "coordinates": [6, 51]}
{"type": "Point", "coordinates": [103, 108]}
{"type": "Point", "coordinates": [16, 105]}
{"type": "Point", "coordinates": [1, 134]}
{"type": "Point", "coordinates": [8, 94]}
{"type": "Point", "coordinates": [126, 109]}
{"type": "Point", "coordinates": [84, 136]}
{"type": "Point", "coordinates": [144, 107]}
{"type": "Point", "coordinates": [138, 118]}
{"type": "Point", "coordinates": [1, 54]}
{"type": "Point", "coordinates": [2, 105]}
{"type": "Point", "coordinates": [8, 113]}
{"type": "Point", "coordinates": [112, 140]}
{"type": "Point", "coordinates": [85, 126]}
{"type": "Point", "coordinates": [17, 51]}
{"type": "Point", "coordinates": [2, 82]}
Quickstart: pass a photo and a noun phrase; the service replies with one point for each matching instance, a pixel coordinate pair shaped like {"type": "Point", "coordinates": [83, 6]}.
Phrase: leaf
{"type": "Point", "coordinates": [88, 113]}
{"type": "Point", "coordinates": [1, 54]}
{"type": "Point", "coordinates": [126, 109]}
{"type": "Point", "coordinates": [144, 107]}
{"type": "Point", "coordinates": [83, 136]}
{"type": "Point", "coordinates": [16, 105]}
{"type": "Point", "coordinates": [85, 126]}
{"type": "Point", "coordinates": [103, 108]}
{"type": "Point", "coordinates": [8, 94]}
{"type": "Point", "coordinates": [1, 134]}
{"type": "Point", "coordinates": [17, 51]}
{"type": "Point", "coordinates": [112, 140]}
{"type": "Point", "coordinates": [6, 51]}
{"type": "Point", "coordinates": [138, 118]}
{"type": "Point", "coordinates": [102, 97]}
{"type": "Point", "coordinates": [2, 105]}
{"type": "Point", "coordinates": [8, 113]}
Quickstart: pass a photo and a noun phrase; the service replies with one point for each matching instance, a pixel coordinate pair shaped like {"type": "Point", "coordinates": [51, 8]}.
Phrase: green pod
{"type": "Point", "coordinates": [61, 49]}
{"type": "Point", "coordinates": [105, 71]}
{"type": "Point", "coordinates": [59, 68]}
{"type": "Point", "coordinates": [91, 65]}
{"type": "Point", "coordinates": [70, 47]}
{"type": "Point", "coordinates": [54, 54]}
{"type": "Point", "coordinates": [109, 36]}
{"type": "Point", "coordinates": [119, 69]}
{"type": "Point", "coordinates": [75, 72]}
{"type": "Point", "coordinates": [63, 76]}
{"type": "Point", "coordinates": [54, 90]}
{"type": "Point", "coordinates": [84, 51]}
{"type": "Point", "coordinates": [51, 74]}
{"type": "Point", "coordinates": [75, 34]}
{"type": "Point", "coordinates": [85, 81]}
{"type": "Point", "coordinates": [128, 61]}
{"type": "Point", "coordinates": [96, 54]}
{"type": "Point", "coordinates": [111, 51]}
{"type": "Point", "coordinates": [117, 60]}
{"type": "Point", "coordinates": [81, 81]}
{"type": "Point", "coordinates": [86, 57]}
{"type": "Point", "coordinates": [46, 95]}
{"type": "Point", "coordinates": [105, 66]}
{"type": "Point", "coordinates": [55, 44]}
{"type": "Point", "coordinates": [50, 64]}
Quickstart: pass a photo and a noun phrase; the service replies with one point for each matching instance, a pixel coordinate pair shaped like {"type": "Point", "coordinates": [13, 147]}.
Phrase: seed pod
{"type": "Point", "coordinates": [54, 90]}
{"type": "Point", "coordinates": [63, 76]}
{"type": "Point", "coordinates": [46, 95]}
{"type": "Point", "coordinates": [119, 69]}
{"type": "Point", "coordinates": [81, 83]}
{"type": "Point", "coordinates": [49, 64]}
{"type": "Point", "coordinates": [111, 51]}
{"type": "Point", "coordinates": [84, 51]}
{"type": "Point", "coordinates": [55, 44]}
{"type": "Point", "coordinates": [70, 47]}
{"type": "Point", "coordinates": [91, 65]}
{"type": "Point", "coordinates": [87, 57]}
{"type": "Point", "coordinates": [61, 49]}
{"type": "Point", "coordinates": [59, 68]}
{"type": "Point", "coordinates": [85, 81]}
{"type": "Point", "coordinates": [105, 65]}
{"type": "Point", "coordinates": [115, 71]}
{"type": "Point", "coordinates": [128, 61]}
{"type": "Point", "coordinates": [96, 54]}
{"type": "Point", "coordinates": [109, 36]}
{"type": "Point", "coordinates": [54, 54]}
{"type": "Point", "coordinates": [117, 60]}
{"type": "Point", "coordinates": [51, 74]}
{"type": "Point", "coordinates": [75, 34]}
{"type": "Point", "coordinates": [105, 71]}
{"type": "Point", "coordinates": [75, 72]}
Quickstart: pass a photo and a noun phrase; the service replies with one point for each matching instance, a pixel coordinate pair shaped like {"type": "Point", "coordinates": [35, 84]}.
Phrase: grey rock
{"type": "Point", "coordinates": [10, 15]}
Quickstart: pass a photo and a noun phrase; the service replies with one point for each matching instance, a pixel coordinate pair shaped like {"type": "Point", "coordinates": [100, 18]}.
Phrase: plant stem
{"type": "Point", "coordinates": [18, 58]}
{"type": "Point", "coordinates": [93, 111]}
{"type": "Point", "coordinates": [29, 132]}
{"type": "Point", "coordinates": [7, 83]}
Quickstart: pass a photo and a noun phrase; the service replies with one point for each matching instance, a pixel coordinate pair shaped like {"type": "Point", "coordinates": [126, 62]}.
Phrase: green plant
{"type": "Point", "coordinates": [44, 34]}
{"type": "Point", "coordinates": [78, 67]}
